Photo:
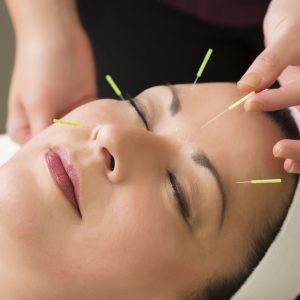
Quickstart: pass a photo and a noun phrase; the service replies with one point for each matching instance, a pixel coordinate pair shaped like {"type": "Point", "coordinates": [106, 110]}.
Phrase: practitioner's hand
{"type": "Point", "coordinates": [281, 58]}
{"type": "Point", "coordinates": [52, 75]}
{"type": "Point", "coordinates": [290, 151]}
{"type": "Point", "coordinates": [274, 99]}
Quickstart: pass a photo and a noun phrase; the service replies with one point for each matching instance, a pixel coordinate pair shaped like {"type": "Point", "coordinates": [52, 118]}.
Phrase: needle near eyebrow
{"type": "Point", "coordinates": [202, 66]}
{"type": "Point", "coordinates": [232, 106]}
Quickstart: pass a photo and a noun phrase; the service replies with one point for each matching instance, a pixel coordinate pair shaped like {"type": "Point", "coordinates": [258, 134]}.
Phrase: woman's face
{"type": "Point", "coordinates": [162, 217]}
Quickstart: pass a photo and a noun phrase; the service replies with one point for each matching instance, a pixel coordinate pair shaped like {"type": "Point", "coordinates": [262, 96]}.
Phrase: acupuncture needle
{"type": "Point", "coordinates": [259, 181]}
{"type": "Point", "coordinates": [231, 107]}
{"type": "Point", "coordinates": [63, 122]}
{"type": "Point", "coordinates": [114, 86]}
{"type": "Point", "coordinates": [202, 66]}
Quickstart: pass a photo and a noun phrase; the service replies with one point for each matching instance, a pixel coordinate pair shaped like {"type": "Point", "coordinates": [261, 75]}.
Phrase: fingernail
{"type": "Point", "coordinates": [277, 151]}
{"type": "Point", "coordinates": [253, 106]}
{"type": "Point", "coordinates": [252, 80]}
{"type": "Point", "coordinates": [283, 152]}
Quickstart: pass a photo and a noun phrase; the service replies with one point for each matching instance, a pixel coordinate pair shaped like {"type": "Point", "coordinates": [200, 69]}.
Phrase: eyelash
{"type": "Point", "coordinates": [139, 112]}
{"type": "Point", "coordinates": [179, 196]}
{"type": "Point", "coordinates": [177, 191]}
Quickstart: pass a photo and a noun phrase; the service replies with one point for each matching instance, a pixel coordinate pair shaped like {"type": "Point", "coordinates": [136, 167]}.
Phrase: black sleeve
{"type": "Point", "coordinates": [145, 43]}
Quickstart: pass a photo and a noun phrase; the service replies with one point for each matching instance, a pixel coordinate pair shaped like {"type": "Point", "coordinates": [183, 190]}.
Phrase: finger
{"type": "Point", "coordinates": [88, 98]}
{"type": "Point", "coordinates": [40, 117]}
{"type": "Point", "coordinates": [287, 149]}
{"type": "Point", "coordinates": [275, 99]}
{"type": "Point", "coordinates": [17, 125]}
{"type": "Point", "coordinates": [292, 166]}
{"type": "Point", "coordinates": [265, 69]}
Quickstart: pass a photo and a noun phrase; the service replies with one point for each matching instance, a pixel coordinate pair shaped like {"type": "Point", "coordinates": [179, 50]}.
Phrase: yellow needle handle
{"type": "Point", "coordinates": [113, 85]}
{"type": "Point", "coordinates": [255, 181]}
{"type": "Point", "coordinates": [204, 62]}
{"type": "Point", "coordinates": [235, 104]}
{"type": "Point", "coordinates": [67, 123]}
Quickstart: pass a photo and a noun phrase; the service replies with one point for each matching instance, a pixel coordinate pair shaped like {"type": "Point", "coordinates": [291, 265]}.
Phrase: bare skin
{"type": "Point", "coordinates": [133, 240]}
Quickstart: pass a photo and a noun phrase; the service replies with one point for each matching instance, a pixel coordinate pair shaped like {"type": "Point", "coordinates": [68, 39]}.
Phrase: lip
{"type": "Point", "coordinates": [64, 174]}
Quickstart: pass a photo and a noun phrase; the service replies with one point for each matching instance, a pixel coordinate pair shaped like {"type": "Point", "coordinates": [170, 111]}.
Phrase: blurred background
{"type": "Point", "coordinates": [6, 61]}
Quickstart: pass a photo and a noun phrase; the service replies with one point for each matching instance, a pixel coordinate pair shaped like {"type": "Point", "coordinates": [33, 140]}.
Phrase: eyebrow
{"type": "Point", "coordinates": [175, 105]}
{"type": "Point", "coordinates": [200, 158]}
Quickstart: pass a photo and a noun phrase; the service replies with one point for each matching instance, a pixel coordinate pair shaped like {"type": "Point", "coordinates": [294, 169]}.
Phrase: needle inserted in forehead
{"type": "Point", "coordinates": [203, 65]}
{"type": "Point", "coordinates": [232, 106]}
{"type": "Point", "coordinates": [257, 181]}
{"type": "Point", "coordinates": [66, 123]}
{"type": "Point", "coordinates": [114, 86]}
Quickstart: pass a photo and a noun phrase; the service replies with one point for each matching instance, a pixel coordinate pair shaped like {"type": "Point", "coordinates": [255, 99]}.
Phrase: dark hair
{"type": "Point", "coordinates": [225, 288]}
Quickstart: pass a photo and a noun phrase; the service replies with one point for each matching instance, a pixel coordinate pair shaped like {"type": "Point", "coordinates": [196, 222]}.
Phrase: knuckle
{"type": "Point", "coordinates": [269, 59]}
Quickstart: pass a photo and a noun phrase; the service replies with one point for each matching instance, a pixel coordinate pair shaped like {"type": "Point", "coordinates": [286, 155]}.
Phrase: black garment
{"type": "Point", "coordinates": [145, 43]}
{"type": "Point", "coordinates": [239, 13]}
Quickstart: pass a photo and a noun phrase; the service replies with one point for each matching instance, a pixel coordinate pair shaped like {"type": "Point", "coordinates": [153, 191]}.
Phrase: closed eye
{"type": "Point", "coordinates": [177, 190]}
{"type": "Point", "coordinates": [179, 196]}
{"type": "Point", "coordinates": [140, 112]}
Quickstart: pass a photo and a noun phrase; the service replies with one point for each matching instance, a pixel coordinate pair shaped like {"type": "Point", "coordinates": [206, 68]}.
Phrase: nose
{"type": "Point", "coordinates": [128, 151]}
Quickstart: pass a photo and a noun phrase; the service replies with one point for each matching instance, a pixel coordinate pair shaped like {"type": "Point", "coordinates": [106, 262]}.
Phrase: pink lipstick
{"type": "Point", "coordinates": [64, 174]}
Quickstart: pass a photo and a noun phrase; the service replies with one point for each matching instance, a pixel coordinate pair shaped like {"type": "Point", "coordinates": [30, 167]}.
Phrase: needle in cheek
{"type": "Point", "coordinates": [63, 122]}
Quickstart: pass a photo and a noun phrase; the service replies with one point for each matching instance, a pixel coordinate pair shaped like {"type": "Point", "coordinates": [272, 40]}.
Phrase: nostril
{"type": "Point", "coordinates": [109, 159]}
{"type": "Point", "coordinates": [112, 163]}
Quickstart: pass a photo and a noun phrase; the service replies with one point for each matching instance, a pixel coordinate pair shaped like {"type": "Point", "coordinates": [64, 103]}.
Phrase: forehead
{"type": "Point", "coordinates": [250, 131]}
{"type": "Point", "coordinates": [237, 135]}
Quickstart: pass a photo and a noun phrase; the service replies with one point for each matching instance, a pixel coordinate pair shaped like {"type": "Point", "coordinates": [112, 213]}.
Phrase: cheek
{"type": "Point", "coordinates": [135, 238]}
{"type": "Point", "coordinates": [23, 210]}
{"type": "Point", "coordinates": [134, 222]}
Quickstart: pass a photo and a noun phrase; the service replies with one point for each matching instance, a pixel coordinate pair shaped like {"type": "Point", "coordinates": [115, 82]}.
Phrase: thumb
{"type": "Point", "coordinates": [265, 69]}
{"type": "Point", "coordinates": [17, 124]}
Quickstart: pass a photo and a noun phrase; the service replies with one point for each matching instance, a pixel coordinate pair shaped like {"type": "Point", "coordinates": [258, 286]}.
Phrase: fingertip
{"type": "Point", "coordinates": [292, 166]}
{"type": "Point", "coordinates": [20, 136]}
{"type": "Point", "coordinates": [253, 106]}
{"type": "Point", "coordinates": [277, 150]}
{"type": "Point", "coordinates": [39, 124]}
{"type": "Point", "coordinates": [288, 165]}
{"type": "Point", "coordinates": [283, 149]}
{"type": "Point", "coordinates": [244, 87]}
{"type": "Point", "coordinates": [249, 82]}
